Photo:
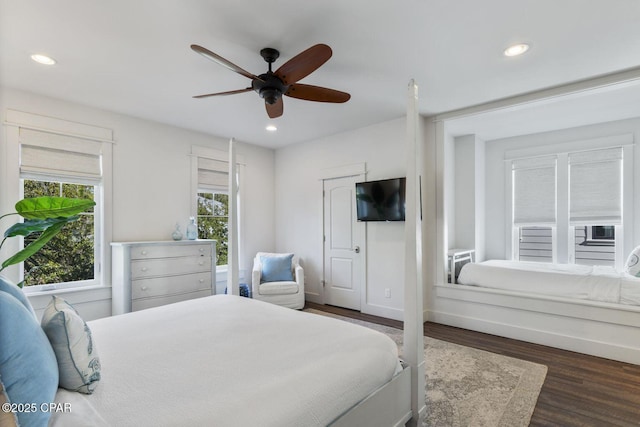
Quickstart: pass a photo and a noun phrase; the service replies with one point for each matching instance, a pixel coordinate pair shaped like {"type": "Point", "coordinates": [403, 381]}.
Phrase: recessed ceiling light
{"type": "Point", "coordinates": [516, 49]}
{"type": "Point", "coordinates": [271, 128]}
{"type": "Point", "coordinates": [43, 59]}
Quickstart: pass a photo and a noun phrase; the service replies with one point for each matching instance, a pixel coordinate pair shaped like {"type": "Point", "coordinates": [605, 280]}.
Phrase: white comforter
{"type": "Point", "coordinates": [229, 361]}
{"type": "Point", "coordinates": [566, 280]}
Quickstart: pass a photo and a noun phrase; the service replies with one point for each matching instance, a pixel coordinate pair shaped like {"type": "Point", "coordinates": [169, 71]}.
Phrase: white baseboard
{"type": "Point", "coordinates": [544, 337]}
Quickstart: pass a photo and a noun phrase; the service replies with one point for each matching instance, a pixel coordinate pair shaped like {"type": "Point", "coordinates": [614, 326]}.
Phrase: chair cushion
{"type": "Point", "coordinates": [72, 343]}
{"type": "Point", "coordinates": [16, 292]}
{"type": "Point", "coordinates": [276, 268]}
{"type": "Point", "coordinates": [28, 368]}
{"type": "Point", "coordinates": [278, 288]}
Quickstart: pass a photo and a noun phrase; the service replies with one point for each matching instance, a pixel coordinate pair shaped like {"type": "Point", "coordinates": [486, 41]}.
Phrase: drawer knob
{"type": "Point", "coordinates": [144, 288]}
{"type": "Point", "coordinates": [201, 280]}
{"type": "Point", "coordinates": [201, 249]}
{"type": "Point", "coordinates": [144, 269]}
{"type": "Point", "coordinates": [201, 263]}
{"type": "Point", "coordinates": [143, 252]}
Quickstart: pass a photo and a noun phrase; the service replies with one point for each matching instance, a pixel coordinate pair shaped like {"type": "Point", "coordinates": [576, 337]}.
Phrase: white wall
{"type": "Point", "coordinates": [469, 183]}
{"type": "Point", "coordinates": [495, 176]}
{"type": "Point", "coordinates": [299, 208]}
{"type": "Point", "coordinates": [151, 181]}
{"type": "Point", "coordinates": [465, 206]}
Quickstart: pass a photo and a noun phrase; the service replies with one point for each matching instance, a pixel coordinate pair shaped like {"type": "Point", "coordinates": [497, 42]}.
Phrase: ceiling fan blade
{"type": "Point", "coordinates": [303, 63]}
{"type": "Point", "coordinates": [231, 92]}
{"type": "Point", "coordinates": [275, 110]}
{"type": "Point", "coordinates": [316, 93]}
{"type": "Point", "coordinates": [220, 60]}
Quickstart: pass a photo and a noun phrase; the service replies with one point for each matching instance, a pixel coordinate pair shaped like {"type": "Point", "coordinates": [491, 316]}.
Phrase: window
{"type": "Point", "coordinates": [212, 220]}
{"type": "Point", "coordinates": [595, 245]}
{"type": "Point", "coordinates": [567, 207]}
{"type": "Point", "coordinates": [210, 185]}
{"type": "Point", "coordinates": [50, 156]}
{"type": "Point", "coordinates": [534, 208]}
{"type": "Point", "coordinates": [70, 256]}
{"type": "Point", "coordinates": [535, 244]}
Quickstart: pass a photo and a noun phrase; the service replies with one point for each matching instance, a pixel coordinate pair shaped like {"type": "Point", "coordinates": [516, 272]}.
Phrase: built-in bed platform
{"type": "Point", "coordinates": [600, 328]}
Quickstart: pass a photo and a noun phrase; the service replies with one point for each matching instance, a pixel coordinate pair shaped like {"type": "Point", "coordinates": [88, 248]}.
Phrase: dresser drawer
{"type": "Point", "coordinates": [162, 286]}
{"type": "Point", "coordinates": [167, 251]}
{"type": "Point", "coordinates": [144, 303]}
{"type": "Point", "coordinates": [169, 266]}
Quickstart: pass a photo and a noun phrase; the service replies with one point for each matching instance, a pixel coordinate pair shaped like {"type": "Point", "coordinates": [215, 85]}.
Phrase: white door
{"type": "Point", "coordinates": [343, 244]}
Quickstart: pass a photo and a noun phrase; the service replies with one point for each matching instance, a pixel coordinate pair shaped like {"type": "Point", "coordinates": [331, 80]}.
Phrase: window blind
{"type": "Point", "coordinates": [50, 154]}
{"type": "Point", "coordinates": [213, 174]}
{"type": "Point", "coordinates": [534, 191]}
{"type": "Point", "coordinates": [595, 187]}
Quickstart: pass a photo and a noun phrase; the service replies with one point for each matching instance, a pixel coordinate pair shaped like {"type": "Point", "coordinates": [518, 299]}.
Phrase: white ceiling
{"type": "Point", "coordinates": [133, 57]}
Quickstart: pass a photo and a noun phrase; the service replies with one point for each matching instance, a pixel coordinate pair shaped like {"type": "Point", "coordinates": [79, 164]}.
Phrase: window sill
{"type": "Point", "coordinates": [63, 290]}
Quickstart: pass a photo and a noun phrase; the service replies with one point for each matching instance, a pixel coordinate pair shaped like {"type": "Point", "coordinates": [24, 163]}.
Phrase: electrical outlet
{"type": "Point", "coordinates": [387, 293]}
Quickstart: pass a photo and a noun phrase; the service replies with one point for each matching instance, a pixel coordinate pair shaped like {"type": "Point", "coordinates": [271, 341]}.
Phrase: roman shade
{"type": "Point", "coordinates": [595, 187]}
{"type": "Point", "coordinates": [534, 191]}
{"type": "Point", "coordinates": [213, 174]}
{"type": "Point", "coordinates": [51, 154]}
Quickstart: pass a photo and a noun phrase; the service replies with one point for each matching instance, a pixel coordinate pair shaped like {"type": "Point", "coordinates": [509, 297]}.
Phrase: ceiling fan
{"type": "Point", "coordinates": [284, 81]}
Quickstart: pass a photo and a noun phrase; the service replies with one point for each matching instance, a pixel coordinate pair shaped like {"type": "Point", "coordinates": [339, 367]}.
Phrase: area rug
{"type": "Point", "coordinates": [470, 387]}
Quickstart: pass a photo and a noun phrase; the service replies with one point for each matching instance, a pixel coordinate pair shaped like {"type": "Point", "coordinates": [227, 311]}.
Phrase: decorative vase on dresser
{"type": "Point", "coordinates": [149, 274]}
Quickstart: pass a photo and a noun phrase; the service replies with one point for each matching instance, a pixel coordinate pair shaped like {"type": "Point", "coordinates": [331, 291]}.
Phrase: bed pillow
{"type": "Point", "coordinates": [28, 368]}
{"type": "Point", "coordinates": [16, 292]}
{"type": "Point", "coordinates": [632, 266]}
{"type": "Point", "coordinates": [71, 339]}
{"type": "Point", "coordinates": [276, 268]}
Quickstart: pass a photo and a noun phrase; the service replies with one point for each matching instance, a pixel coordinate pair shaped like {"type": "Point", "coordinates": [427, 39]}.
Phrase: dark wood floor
{"type": "Point", "coordinates": [579, 390]}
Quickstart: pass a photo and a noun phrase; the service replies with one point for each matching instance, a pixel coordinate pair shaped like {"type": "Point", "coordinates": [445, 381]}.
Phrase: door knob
{"type": "Point", "coordinates": [356, 249]}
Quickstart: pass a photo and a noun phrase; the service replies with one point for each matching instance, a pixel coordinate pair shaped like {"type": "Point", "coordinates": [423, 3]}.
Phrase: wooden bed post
{"type": "Point", "coordinates": [232, 255]}
{"type": "Point", "coordinates": [413, 352]}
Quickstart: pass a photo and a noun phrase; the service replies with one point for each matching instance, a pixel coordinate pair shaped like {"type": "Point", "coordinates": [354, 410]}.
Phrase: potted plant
{"type": "Point", "coordinates": [46, 215]}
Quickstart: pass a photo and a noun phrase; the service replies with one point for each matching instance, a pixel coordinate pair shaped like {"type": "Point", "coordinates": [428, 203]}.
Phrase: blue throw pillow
{"type": "Point", "coordinates": [276, 268]}
{"type": "Point", "coordinates": [28, 367]}
{"type": "Point", "coordinates": [16, 292]}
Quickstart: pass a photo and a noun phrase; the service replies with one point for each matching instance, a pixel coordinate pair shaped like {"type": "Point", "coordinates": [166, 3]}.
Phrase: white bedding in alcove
{"type": "Point", "coordinates": [596, 283]}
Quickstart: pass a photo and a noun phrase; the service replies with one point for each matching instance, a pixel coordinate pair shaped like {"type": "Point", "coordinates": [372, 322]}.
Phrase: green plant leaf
{"type": "Point", "coordinates": [35, 225]}
{"type": "Point", "coordinates": [34, 246]}
{"type": "Point", "coordinates": [52, 207]}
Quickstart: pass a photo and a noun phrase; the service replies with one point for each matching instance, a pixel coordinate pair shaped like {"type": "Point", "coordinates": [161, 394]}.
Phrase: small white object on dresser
{"type": "Point", "coordinates": [149, 274]}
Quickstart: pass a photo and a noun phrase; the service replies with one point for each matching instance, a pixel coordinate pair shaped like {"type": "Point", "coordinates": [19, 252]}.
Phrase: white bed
{"type": "Point", "coordinates": [596, 283]}
{"type": "Point", "coordinates": [257, 364]}
{"type": "Point", "coordinates": [229, 361]}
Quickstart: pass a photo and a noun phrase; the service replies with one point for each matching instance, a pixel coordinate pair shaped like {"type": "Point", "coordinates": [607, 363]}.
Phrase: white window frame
{"type": "Point", "coordinates": [223, 267]}
{"type": "Point", "coordinates": [98, 236]}
{"type": "Point", "coordinates": [221, 156]}
{"type": "Point", "coordinates": [13, 191]}
{"type": "Point", "coordinates": [564, 234]}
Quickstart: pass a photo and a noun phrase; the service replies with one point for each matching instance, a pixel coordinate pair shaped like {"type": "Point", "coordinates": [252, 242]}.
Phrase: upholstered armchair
{"type": "Point", "coordinates": [278, 279]}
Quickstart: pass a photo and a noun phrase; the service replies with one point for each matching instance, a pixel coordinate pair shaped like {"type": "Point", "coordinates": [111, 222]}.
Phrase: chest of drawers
{"type": "Point", "coordinates": [149, 274]}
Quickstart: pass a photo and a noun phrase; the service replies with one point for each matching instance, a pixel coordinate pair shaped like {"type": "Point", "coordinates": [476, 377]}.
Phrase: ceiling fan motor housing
{"type": "Point", "coordinates": [269, 87]}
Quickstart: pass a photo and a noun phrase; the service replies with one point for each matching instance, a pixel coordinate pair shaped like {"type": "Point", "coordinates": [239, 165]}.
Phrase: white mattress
{"type": "Point", "coordinates": [229, 361]}
{"type": "Point", "coordinates": [595, 283]}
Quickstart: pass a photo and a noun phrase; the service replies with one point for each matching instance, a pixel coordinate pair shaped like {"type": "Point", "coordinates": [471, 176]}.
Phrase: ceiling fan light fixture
{"type": "Point", "coordinates": [270, 95]}
{"type": "Point", "coordinates": [271, 128]}
{"type": "Point", "coordinates": [516, 49]}
{"type": "Point", "coordinates": [43, 59]}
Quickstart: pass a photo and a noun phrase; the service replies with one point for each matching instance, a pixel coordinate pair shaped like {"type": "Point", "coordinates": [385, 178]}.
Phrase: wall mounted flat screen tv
{"type": "Point", "coordinates": [382, 200]}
